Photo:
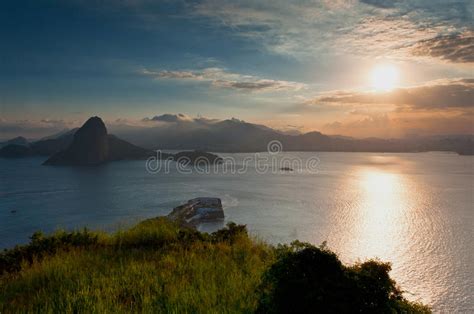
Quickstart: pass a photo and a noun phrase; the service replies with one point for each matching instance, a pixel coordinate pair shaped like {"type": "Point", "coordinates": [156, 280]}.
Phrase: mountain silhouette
{"type": "Point", "coordinates": [19, 140]}
{"type": "Point", "coordinates": [92, 145]}
{"type": "Point", "coordinates": [230, 135]}
{"type": "Point", "coordinates": [20, 147]}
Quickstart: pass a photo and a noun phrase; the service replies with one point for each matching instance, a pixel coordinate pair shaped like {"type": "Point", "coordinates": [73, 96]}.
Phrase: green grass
{"type": "Point", "coordinates": [155, 266]}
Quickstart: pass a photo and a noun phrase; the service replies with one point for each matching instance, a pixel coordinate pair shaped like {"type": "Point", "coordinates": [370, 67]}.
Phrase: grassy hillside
{"type": "Point", "coordinates": [157, 266]}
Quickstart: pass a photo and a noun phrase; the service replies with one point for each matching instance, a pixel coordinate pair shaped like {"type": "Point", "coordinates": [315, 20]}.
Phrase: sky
{"type": "Point", "coordinates": [368, 68]}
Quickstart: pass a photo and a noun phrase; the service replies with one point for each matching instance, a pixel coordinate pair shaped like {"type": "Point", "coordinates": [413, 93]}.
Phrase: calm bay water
{"type": "Point", "coordinates": [414, 210]}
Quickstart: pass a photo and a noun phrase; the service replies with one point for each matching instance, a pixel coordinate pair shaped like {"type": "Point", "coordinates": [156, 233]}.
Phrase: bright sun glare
{"type": "Point", "coordinates": [384, 77]}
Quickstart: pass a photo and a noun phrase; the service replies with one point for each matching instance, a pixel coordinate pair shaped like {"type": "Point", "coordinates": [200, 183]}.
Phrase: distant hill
{"type": "Point", "coordinates": [44, 147]}
{"type": "Point", "coordinates": [234, 135]}
{"type": "Point", "coordinates": [62, 134]}
{"type": "Point", "coordinates": [20, 140]}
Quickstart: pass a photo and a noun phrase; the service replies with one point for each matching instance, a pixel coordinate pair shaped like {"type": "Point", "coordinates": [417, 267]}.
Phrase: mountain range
{"type": "Point", "coordinates": [235, 135]}
{"type": "Point", "coordinates": [175, 132]}
{"type": "Point", "coordinates": [92, 145]}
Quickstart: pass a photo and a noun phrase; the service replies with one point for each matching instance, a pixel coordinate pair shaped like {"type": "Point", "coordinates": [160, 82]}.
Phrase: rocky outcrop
{"type": "Point", "coordinates": [197, 210]}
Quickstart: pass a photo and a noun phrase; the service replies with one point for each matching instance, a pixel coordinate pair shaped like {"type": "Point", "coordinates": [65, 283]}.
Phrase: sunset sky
{"type": "Point", "coordinates": [360, 68]}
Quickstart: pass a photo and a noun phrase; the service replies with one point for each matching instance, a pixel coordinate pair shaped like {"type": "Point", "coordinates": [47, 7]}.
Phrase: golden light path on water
{"type": "Point", "coordinates": [388, 220]}
{"type": "Point", "coordinates": [383, 208]}
{"type": "Point", "coordinates": [414, 210]}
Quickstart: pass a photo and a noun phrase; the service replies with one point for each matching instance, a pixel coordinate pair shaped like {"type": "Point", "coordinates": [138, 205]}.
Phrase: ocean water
{"type": "Point", "coordinates": [414, 210]}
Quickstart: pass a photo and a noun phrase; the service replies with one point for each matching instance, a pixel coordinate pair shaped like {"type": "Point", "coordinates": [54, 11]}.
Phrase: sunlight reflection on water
{"type": "Point", "coordinates": [413, 210]}
{"type": "Point", "coordinates": [379, 212]}
{"type": "Point", "coordinates": [389, 220]}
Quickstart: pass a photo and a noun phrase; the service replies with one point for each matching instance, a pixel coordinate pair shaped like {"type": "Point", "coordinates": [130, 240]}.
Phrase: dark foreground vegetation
{"type": "Point", "coordinates": [157, 266]}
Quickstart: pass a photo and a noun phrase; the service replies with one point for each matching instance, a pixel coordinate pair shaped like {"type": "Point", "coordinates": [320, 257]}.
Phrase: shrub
{"type": "Point", "coordinates": [158, 266]}
{"type": "Point", "coordinates": [231, 233]}
{"type": "Point", "coordinates": [307, 279]}
{"type": "Point", "coordinates": [40, 246]}
{"type": "Point", "coordinates": [154, 267]}
{"type": "Point", "coordinates": [152, 233]}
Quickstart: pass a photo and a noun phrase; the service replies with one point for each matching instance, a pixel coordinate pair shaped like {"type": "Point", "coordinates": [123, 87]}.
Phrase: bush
{"type": "Point", "coordinates": [154, 267]}
{"type": "Point", "coordinates": [40, 246]}
{"type": "Point", "coordinates": [158, 266]}
{"type": "Point", "coordinates": [230, 234]}
{"type": "Point", "coordinates": [307, 279]}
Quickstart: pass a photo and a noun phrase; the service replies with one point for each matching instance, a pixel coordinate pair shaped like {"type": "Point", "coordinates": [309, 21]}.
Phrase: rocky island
{"type": "Point", "coordinates": [198, 210]}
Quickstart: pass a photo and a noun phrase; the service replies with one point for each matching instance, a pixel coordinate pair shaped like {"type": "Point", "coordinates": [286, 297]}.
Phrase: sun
{"type": "Point", "coordinates": [384, 77]}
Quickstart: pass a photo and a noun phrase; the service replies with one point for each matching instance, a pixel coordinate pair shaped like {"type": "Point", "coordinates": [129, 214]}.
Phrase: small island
{"type": "Point", "coordinates": [198, 210]}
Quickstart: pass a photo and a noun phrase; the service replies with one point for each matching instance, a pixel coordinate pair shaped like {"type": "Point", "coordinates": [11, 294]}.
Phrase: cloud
{"type": "Point", "coordinates": [457, 47]}
{"type": "Point", "coordinates": [437, 107]}
{"type": "Point", "coordinates": [395, 124]}
{"type": "Point", "coordinates": [259, 85]}
{"type": "Point", "coordinates": [175, 75]}
{"type": "Point", "coordinates": [219, 77]}
{"type": "Point", "coordinates": [306, 28]}
{"type": "Point", "coordinates": [283, 27]}
{"type": "Point", "coordinates": [403, 29]}
{"type": "Point", "coordinates": [381, 3]}
{"type": "Point", "coordinates": [290, 129]}
{"type": "Point", "coordinates": [167, 117]}
{"type": "Point", "coordinates": [33, 129]}
{"type": "Point", "coordinates": [436, 95]}
{"type": "Point", "coordinates": [386, 35]}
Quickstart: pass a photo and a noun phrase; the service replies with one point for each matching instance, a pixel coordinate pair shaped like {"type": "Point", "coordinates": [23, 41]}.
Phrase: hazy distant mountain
{"type": "Point", "coordinates": [227, 135]}
{"type": "Point", "coordinates": [44, 147]}
{"type": "Point", "coordinates": [53, 144]}
{"type": "Point", "coordinates": [178, 132]}
{"type": "Point", "coordinates": [235, 135]}
{"type": "Point", "coordinates": [20, 140]}
{"type": "Point", "coordinates": [62, 134]}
